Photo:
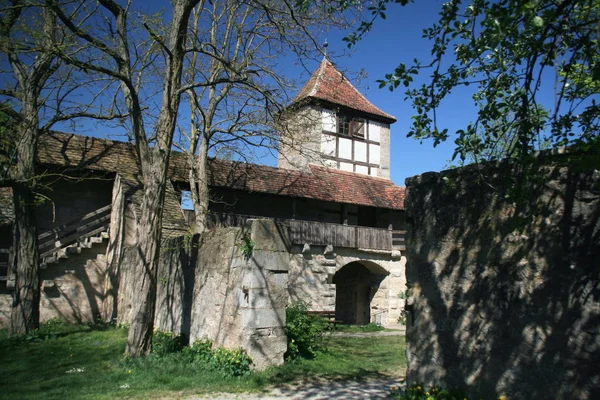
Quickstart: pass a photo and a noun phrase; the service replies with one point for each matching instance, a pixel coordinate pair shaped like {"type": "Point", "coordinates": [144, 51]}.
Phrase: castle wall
{"type": "Point", "coordinates": [312, 272]}
{"type": "Point", "coordinates": [73, 289]}
{"type": "Point", "coordinates": [504, 280]}
{"type": "Point", "coordinates": [240, 300]}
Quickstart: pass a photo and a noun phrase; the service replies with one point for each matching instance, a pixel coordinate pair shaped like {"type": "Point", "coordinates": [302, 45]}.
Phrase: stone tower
{"type": "Point", "coordinates": [330, 123]}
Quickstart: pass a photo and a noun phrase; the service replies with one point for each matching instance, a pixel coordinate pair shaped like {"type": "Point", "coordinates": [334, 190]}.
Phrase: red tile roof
{"type": "Point", "coordinates": [327, 184]}
{"type": "Point", "coordinates": [330, 85]}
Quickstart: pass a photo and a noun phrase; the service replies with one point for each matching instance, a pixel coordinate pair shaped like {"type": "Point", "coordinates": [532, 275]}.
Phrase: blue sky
{"type": "Point", "coordinates": [391, 41]}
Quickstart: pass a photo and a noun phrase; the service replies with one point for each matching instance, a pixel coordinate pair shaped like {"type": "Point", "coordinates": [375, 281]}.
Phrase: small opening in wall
{"type": "Point", "coordinates": [186, 200]}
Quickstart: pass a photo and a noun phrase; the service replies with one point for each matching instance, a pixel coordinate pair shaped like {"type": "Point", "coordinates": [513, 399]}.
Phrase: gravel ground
{"type": "Point", "coordinates": [319, 389]}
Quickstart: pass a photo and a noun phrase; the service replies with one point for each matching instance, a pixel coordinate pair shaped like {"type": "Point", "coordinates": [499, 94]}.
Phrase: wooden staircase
{"type": "Point", "coordinates": [59, 243]}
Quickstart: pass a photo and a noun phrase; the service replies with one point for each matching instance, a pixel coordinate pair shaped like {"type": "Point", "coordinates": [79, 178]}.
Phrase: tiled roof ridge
{"type": "Point", "coordinates": [314, 89]}
{"type": "Point", "coordinates": [319, 78]}
{"type": "Point", "coordinates": [358, 91]}
{"type": "Point", "coordinates": [318, 182]}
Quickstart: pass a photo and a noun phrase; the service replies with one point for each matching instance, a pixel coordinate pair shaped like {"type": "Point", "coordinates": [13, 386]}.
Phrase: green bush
{"type": "Point", "coordinates": [229, 362]}
{"type": "Point", "coordinates": [200, 351]}
{"type": "Point", "coordinates": [304, 331]}
{"type": "Point", "coordinates": [417, 391]}
{"type": "Point", "coordinates": [166, 342]}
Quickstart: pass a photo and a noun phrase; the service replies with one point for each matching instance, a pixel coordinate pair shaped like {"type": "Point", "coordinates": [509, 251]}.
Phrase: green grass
{"type": "Point", "coordinates": [359, 328]}
{"type": "Point", "coordinates": [349, 358]}
{"type": "Point", "coordinates": [38, 370]}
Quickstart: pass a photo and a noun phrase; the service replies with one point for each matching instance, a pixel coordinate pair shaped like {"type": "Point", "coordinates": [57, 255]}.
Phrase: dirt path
{"type": "Point", "coordinates": [320, 389]}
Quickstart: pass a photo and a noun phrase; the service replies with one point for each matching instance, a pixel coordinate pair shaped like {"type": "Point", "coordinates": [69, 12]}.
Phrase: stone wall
{"type": "Point", "coordinates": [300, 138]}
{"type": "Point", "coordinates": [503, 270]}
{"type": "Point", "coordinates": [385, 146]}
{"type": "Point", "coordinates": [312, 270]}
{"type": "Point", "coordinates": [206, 288]}
{"type": "Point", "coordinates": [175, 283]}
{"type": "Point", "coordinates": [239, 300]}
{"type": "Point", "coordinates": [71, 290]}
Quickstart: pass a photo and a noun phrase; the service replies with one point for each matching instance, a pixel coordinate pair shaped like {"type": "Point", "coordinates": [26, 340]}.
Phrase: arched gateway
{"type": "Point", "coordinates": [356, 284]}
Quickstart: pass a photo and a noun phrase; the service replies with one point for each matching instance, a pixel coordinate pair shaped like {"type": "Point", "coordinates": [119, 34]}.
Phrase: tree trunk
{"type": "Point", "coordinates": [199, 187]}
{"type": "Point", "coordinates": [25, 313]}
{"type": "Point", "coordinates": [139, 340]}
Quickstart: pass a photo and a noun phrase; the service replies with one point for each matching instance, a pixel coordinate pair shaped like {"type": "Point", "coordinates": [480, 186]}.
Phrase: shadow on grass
{"type": "Point", "coordinates": [81, 361]}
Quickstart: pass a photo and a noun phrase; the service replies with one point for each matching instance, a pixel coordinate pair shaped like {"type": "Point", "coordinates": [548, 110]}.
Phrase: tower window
{"type": "Point", "coordinates": [349, 126]}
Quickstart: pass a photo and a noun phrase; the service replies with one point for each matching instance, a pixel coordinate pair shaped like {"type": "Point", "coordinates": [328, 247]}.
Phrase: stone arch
{"type": "Point", "coordinates": [356, 284]}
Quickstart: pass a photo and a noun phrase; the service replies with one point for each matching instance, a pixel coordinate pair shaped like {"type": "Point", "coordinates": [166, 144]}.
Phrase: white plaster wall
{"type": "Point", "coordinates": [374, 131]}
{"type": "Point", "coordinates": [384, 165]}
{"type": "Point", "coordinates": [360, 151]}
{"type": "Point", "coordinates": [328, 145]}
{"type": "Point", "coordinates": [329, 120]}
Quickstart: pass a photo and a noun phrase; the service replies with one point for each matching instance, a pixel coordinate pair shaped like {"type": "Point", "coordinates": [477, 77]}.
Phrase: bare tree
{"type": "Point", "coordinates": [124, 54]}
{"type": "Point", "coordinates": [223, 53]}
{"type": "Point", "coordinates": [30, 78]}
{"type": "Point", "coordinates": [237, 46]}
{"type": "Point", "coordinates": [36, 96]}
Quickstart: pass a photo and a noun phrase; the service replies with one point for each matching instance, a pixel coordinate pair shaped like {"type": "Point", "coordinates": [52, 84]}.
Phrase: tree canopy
{"type": "Point", "coordinates": [534, 67]}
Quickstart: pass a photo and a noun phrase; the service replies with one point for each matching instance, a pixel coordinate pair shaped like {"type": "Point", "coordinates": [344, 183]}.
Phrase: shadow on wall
{"type": "Point", "coordinates": [73, 289]}
{"type": "Point", "coordinates": [503, 269]}
{"type": "Point", "coordinates": [207, 288]}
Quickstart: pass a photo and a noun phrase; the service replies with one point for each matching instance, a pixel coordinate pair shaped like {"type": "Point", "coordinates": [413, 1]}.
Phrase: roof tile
{"type": "Point", "coordinates": [330, 85]}
{"type": "Point", "coordinates": [320, 183]}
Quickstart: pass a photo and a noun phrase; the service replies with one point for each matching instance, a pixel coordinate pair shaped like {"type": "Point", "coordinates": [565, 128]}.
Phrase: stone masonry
{"type": "Point", "coordinates": [312, 269]}
{"type": "Point", "coordinates": [504, 279]}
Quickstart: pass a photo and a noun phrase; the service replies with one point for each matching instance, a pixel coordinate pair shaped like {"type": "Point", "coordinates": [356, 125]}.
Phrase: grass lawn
{"type": "Point", "coordinates": [359, 328]}
{"type": "Point", "coordinates": [80, 362]}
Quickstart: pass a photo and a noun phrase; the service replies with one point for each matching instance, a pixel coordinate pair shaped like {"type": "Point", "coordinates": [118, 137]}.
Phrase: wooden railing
{"type": "Point", "coordinates": [337, 235]}
{"type": "Point", "coordinates": [318, 233]}
{"type": "Point", "coordinates": [75, 230]}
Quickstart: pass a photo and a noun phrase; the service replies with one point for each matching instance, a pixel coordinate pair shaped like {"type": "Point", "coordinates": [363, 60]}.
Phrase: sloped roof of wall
{"type": "Point", "coordinates": [327, 184]}
{"type": "Point", "coordinates": [330, 85]}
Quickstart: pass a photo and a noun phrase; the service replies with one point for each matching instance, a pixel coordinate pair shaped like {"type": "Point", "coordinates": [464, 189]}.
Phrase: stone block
{"type": "Point", "coordinates": [270, 235]}
{"type": "Point", "coordinates": [262, 318]}
{"type": "Point", "coordinates": [271, 260]}
{"type": "Point", "coordinates": [266, 347]}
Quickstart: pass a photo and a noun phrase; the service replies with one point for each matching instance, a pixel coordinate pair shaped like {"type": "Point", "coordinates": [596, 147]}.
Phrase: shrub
{"type": "Point", "coordinates": [417, 391]}
{"type": "Point", "coordinates": [200, 351]}
{"type": "Point", "coordinates": [229, 362]}
{"type": "Point", "coordinates": [304, 331]}
{"type": "Point", "coordinates": [166, 342]}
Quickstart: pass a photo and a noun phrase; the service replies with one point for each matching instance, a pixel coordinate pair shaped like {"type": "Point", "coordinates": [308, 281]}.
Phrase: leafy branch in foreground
{"type": "Point", "coordinates": [535, 67]}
